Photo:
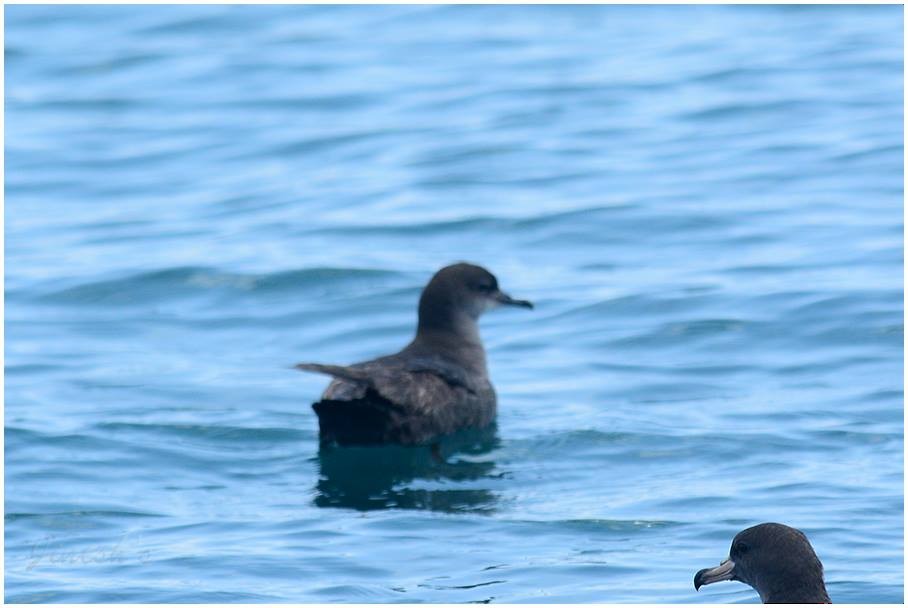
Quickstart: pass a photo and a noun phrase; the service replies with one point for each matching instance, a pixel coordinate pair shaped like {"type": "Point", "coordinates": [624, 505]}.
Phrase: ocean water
{"type": "Point", "coordinates": [705, 203]}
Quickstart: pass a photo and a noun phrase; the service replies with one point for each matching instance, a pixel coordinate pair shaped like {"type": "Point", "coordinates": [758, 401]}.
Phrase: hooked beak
{"type": "Point", "coordinates": [723, 572]}
{"type": "Point", "coordinates": [503, 298]}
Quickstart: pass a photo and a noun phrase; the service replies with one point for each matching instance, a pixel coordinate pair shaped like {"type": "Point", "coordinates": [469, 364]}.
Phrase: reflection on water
{"type": "Point", "coordinates": [398, 477]}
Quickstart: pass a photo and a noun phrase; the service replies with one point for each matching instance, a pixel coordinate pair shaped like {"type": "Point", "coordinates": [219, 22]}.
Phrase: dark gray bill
{"type": "Point", "coordinates": [723, 572]}
{"type": "Point", "coordinates": [504, 298]}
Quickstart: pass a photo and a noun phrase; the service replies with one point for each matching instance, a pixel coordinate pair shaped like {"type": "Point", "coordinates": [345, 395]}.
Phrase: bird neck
{"type": "Point", "coordinates": [455, 326]}
{"type": "Point", "coordinates": [456, 339]}
{"type": "Point", "coordinates": [444, 319]}
{"type": "Point", "coordinates": [807, 593]}
{"type": "Point", "coordinates": [447, 328]}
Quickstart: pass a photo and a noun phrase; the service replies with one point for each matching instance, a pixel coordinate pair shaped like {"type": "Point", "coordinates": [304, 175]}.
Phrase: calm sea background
{"type": "Point", "coordinates": [704, 202]}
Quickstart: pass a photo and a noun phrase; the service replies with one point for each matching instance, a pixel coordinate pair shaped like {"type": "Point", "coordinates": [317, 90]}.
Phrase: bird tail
{"type": "Point", "coordinates": [358, 422]}
{"type": "Point", "coordinates": [365, 420]}
{"type": "Point", "coordinates": [338, 371]}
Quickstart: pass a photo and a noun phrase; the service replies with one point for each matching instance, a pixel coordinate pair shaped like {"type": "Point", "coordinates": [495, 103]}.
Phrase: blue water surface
{"type": "Point", "coordinates": [704, 202]}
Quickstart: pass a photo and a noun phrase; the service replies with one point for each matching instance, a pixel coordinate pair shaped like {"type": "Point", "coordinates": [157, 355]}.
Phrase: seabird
{"type": "Point", "coordinates": [777, 561]}
{"type": "Point", "coordinates": [436, 385]}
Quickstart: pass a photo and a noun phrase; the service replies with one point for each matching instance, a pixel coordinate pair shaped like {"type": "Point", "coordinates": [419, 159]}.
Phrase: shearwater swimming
{"type": "Point", "coordinates": [436, 385]}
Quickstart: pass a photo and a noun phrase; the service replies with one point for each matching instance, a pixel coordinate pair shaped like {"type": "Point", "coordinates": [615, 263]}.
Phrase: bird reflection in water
{"type": "Point", "coordinates": [411, 477]}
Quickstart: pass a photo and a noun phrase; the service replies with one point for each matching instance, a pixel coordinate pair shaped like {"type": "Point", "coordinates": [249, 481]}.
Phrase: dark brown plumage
{"type": "Point", "coordinates": [777, 561]}
{"type": "Point", "coordinates": [436, 385]}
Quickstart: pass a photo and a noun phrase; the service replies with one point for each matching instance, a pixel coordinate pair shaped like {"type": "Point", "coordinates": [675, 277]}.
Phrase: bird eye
{"type": "Point", "coordinates": [485, 288]}
{"type": "Point", "coordinates": [741, 547]}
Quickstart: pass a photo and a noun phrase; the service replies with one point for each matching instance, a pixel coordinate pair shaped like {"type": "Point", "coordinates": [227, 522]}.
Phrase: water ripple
{"type": "Point", "coordinates": [704, 202]}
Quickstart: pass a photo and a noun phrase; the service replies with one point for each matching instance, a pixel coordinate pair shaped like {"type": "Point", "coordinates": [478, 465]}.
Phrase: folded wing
{"type": "Point", "coordinates": [407, 400]}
